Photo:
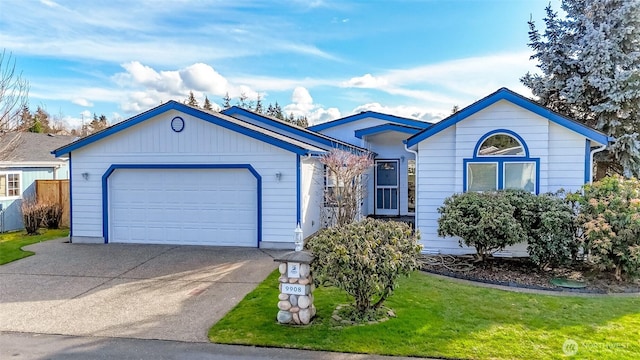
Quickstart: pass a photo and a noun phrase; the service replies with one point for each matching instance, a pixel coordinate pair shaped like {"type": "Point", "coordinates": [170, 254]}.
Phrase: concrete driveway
{"type": "Point", "coordinates": [131, 291]}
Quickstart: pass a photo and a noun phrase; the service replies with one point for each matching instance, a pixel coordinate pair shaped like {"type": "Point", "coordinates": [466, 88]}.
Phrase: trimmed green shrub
{"type": "Point", "coordinates": [365, 259]}
{"type": "Point", "coordinates": [610, 218]}
{"type": "Point", "coordinates": [484, 221]}
{"type": "Point", "coordinates": [548, 221]}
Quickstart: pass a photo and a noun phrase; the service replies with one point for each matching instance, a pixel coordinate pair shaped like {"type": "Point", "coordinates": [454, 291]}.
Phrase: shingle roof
{"type": "Point", "coordinates": [31, 147]}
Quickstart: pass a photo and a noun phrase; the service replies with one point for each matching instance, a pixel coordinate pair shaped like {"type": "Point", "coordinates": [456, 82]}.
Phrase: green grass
{"type": "Point", "coordinates": [11, 243]}
{"type": "Point", "coordinates": [441, 318]}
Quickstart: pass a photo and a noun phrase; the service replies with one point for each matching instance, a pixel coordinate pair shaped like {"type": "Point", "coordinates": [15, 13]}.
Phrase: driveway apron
{"type": "Point", "coordinates": [131, 291]}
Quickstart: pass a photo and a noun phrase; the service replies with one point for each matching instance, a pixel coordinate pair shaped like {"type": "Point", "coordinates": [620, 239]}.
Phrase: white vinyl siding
{"type": "Point", "coordinates": [566, 159]}
{"type": "Point", "coordinates": [153, 142]}
{"type": "Point", "coordinates": [440, 167]}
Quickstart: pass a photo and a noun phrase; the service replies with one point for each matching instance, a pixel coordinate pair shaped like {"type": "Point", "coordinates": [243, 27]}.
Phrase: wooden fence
{"type": "Point", "coordinates": [55, 191]}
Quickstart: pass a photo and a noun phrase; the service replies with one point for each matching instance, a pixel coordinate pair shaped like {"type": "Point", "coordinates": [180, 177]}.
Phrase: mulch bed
{"type": "Point", "coordinates": [522, 273]}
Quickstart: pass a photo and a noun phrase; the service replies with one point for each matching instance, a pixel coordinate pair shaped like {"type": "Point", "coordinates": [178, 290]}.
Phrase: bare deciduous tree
{"type": "Point", "coordinates": [14, 92]}
{"type": "Point", "coordinates": [344, 196]}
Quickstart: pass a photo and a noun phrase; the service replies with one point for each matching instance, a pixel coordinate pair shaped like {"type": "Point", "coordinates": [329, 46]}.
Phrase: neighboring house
{"type": "Point", "coordinates": [24, 158]}
{"type": "Point", "coordinates": [181, 175]}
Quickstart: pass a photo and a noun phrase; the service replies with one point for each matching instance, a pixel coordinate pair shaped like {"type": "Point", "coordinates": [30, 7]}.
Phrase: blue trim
{"type": "Point", "coordinates": [500, 131]}
{"type": "Point", "coordinates": [587, 161]}
{"type": "Point", "coordinates": [386, 127]}
{"type": "Point", "coordinates": [304, 133]}
{"type": "Point", "coordinates": [371, 114]}
{"type": "Point", "coordinates": [70, 200]}
{"type": "Point", "coordinates": [298, 190]}
{"type": "Point", "coordinates": [500, 160]}
{"type": "Point", "coordinates": [173, 105]}
{"type": "Point", "coordinates": [112, 168]}
{"type": "Point", "coordinates": [508, 95]}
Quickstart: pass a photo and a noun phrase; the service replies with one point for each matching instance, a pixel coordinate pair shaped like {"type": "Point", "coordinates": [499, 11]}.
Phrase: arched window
{"type": "Point", "coordinates": [501, 161]}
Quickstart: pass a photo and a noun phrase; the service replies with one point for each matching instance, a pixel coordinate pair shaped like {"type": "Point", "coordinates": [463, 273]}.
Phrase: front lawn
{"type": "Point", "coordinates": [11, 243]}
{"type": "Point", "coordinates": [442, 318]}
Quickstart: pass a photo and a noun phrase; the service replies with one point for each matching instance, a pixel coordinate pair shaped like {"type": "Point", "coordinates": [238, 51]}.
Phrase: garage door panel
{"type": "Point", "coordinates": [191, 207]}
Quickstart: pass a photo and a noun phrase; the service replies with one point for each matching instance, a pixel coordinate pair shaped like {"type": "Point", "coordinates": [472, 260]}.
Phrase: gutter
{"type": "Point", "coordinates": [596, 150]}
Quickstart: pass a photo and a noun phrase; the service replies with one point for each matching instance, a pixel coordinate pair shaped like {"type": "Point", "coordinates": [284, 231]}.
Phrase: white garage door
{"type": "Point", "coordinates": [183, 206]}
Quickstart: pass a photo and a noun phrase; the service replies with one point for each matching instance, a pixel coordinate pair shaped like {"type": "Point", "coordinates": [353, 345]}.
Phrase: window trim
{"type": "Point", "coordinates": [6, 180]}
{"type": "Point", "coordinates": [500, 160]}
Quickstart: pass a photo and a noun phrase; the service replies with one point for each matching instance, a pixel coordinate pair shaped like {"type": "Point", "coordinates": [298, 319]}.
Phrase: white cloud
{"type": "Point", "coordinates": [202, 77]}
{"type": "Point", "coordinates": [302, 105]}
{"type": "Point", "coordinates": [413, 112]}
{"type": "Point", "coordinates": [365, 81]}
{"type": "Point", "coordinates": [82, 102]}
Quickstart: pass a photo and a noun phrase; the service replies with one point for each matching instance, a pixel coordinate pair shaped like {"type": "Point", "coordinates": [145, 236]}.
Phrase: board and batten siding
{"type": "Point", "coordinates": [201, 142]}
{"type": "Point", "coordinates": [561, 153]}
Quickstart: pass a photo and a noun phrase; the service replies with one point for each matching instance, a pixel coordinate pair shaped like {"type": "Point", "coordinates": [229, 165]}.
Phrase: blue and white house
{"type": "Point", "coordinates": [25, 158]}
{"type": "Point", "coordinates": [181, 175]}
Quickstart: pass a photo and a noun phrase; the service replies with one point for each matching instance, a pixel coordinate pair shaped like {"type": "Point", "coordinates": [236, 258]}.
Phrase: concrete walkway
{"type": "Point", "coordinates": [127, 291]}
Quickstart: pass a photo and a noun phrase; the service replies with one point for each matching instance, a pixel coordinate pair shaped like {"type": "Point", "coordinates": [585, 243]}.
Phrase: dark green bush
{"type": "Point", "coordinates": [490, 221]}
{"type": "Point", "coordinates": [484, 221]}
{"type": "Point", "coordinates": [365, 259]}
{"type": "Point", "coordinates": [548, 221]}
{"type": "Point", "coordinates": [610, 220]}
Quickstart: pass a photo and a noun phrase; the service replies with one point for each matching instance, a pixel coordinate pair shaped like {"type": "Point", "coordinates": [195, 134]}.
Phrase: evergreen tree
{"type": "Point", "coordinates": [26, 119]}
{"type": "Point", "coordinates": [42, 118]}
{"type": "Point", "coordinates": [207, 104]}
{"type": "Point", "coordinates": [98, 123]}
{"type": "Point", "coordinates": [258, 108]}
{"type": "Point", "coordinates": [242, 100]}
{"type": "Point", "coordinates": [226, 101]}
{"type": "Point", "coordinates": [590, 64]}
{"type": "Point", "coordinates": [191, 100]}
{"type": "Point", "coordinates": [269, 111]}
{"type": "Point", "coordinates": [277, 111]}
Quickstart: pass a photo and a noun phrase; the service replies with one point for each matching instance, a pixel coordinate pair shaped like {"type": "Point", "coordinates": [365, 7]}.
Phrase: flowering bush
{"type": "Point", "coordinates": [610, 220]}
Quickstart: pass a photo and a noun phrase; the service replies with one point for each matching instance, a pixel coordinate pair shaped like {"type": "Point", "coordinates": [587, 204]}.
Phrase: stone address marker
{"type": "Point", "coordinates": [295, 302]}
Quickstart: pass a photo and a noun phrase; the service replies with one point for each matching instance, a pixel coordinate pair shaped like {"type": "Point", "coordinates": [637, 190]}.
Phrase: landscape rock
{"type": "Point", "coordinates": [303, 301]}
{"type": "Point", "coordinates": [284, 305]}
{"type": "Point", "coordinates": [283, 268]}
{"type": "Point", "coordinates": [284, 317]}
{"type": "Point", "coordinates": [293, 299]}
{"type": "Point", "coordinates": [283, 296]}
{"type": "Point", "coordinates": [305, 316]}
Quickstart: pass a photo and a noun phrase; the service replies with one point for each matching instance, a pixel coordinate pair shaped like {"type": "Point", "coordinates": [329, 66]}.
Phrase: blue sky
{"type": "Point", "coordinates": [320, 58]}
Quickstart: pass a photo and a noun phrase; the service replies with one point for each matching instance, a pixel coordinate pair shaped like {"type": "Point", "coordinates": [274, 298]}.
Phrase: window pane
{"type": "Point", "coordinates": [501, 145]}
{"type": "Point", "coordinates": [482, 177]}
{"type": "Point", "coordinates": [520, 176]}
{"type": "Point", "coordinates": [3, 185]}
{"type": "Point", "coordinates": [13, 184]}
{"type": "Point", "coordinates": [387, 174]}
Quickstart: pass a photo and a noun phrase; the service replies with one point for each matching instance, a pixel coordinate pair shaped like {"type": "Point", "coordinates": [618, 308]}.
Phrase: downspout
{"type": "Point", "coordinates": [596, 150]}
{"type": "Point", "coordinates": [415, 212]}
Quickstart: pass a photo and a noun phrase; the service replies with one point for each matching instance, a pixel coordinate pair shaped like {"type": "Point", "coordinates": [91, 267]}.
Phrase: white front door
{"type": "Point", "coordinates": [386, 179]}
